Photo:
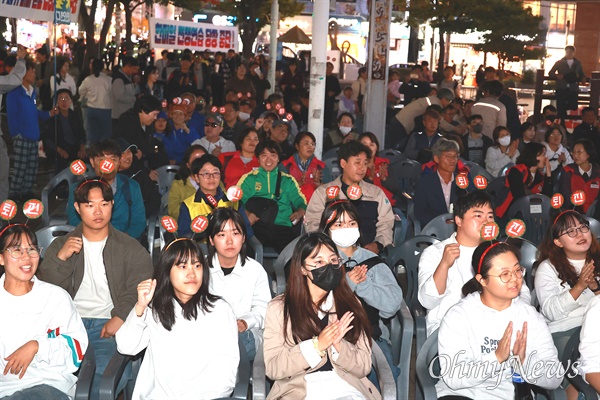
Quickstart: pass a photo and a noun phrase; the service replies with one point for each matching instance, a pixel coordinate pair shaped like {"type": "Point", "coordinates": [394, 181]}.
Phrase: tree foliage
{"type": "Point", "coordinates": [512, 32]}
{"type": "Point", "coordinates": [508, 29]}
{"type": "Point", "coordinates": [252, 15]}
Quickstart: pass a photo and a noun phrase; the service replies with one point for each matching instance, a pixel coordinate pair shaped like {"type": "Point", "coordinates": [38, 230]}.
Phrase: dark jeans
{"type": "Point", "coordinates": [38, 392]}
{"type": "Point", "coordinates": [275, 236]}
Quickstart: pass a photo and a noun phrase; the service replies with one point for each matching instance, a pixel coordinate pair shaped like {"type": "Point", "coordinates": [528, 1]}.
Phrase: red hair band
{"type": "Point", "coordinates": [338, 202]}
{"type": "Point", "coordinates": [485, 254]}
{"type": "Point", "coordinates": [9, 226]}
{"type": "Point", "coordinates": [561, 214]}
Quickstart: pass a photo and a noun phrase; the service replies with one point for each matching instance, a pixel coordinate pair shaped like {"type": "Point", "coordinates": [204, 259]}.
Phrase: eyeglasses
{"type": "Point", "coordinates": [337, 263]}
{"type": "Point", "coordinates": [17, 252]}
{"type": "Point", "coordinates": [309, 144]}
{"type": "Point", "coordinates": [211, 124]}
{"type": "Point", "coordinates": [506, 275]}
{"type": "Point", "coordinates": [64, 98]}
{"type": "Point", "coordinates": [208, 175]}
{"type": "Point", "coordinates": [584, 228]}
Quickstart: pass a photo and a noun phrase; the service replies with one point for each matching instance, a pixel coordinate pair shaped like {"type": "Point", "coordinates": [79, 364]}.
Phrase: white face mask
{"type": "Point", "coordinates": [504, 141]}
{"type": "Point", "coordinates": [345, 130]}
{"type": "Point", "coordinates": [243, 116]}
{"type": "Point", "coordinates": [345, 237]}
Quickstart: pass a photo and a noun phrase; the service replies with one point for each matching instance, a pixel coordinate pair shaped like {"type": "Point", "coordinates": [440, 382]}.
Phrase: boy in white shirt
{"type": "Point", "coordinates": [446, 266]}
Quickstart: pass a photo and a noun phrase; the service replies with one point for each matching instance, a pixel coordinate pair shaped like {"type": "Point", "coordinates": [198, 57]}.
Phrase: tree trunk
{"type": "Point", "coordinates": [91, 48]}
{"type": "Point", "coordinates": [3, 28]}
{"type": "Point", "coordinates": [128, 28]}
{"type": "Point", "coordinates": [442, 55]}
{"type": "Point", "coordinates": [110, 8]}
{"type": "Point", "coordinates": [249, 32]}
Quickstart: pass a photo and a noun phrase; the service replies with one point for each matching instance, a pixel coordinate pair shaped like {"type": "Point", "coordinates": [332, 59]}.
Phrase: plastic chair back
{"type": "Point", "coordinates": [46, 236]}
{"type": "Point", "coordinates": [476, 169]}
{"type": "Point", "coordinates": [592, 208]}
{"type": "Point", "coordinates": [505, 169]}
{"type": "Point", "coordinates": [425, 356]}
{"type": "Point", "coordinates": [64, 175]}
{"type": "Point", "coordinates": [85, 375]}
{"type": "Point", "coordinates": [534, 210]}
{"type": "Point", "coordinates": [594, 226]}
{"type": "Point", "coordinates": [408, 255]}
{"type": "Point", "coordinates": [333, 165]}
{"type": "Point", "coordinates": [166, 176]}
{"type": "Point", "coordinates": [441, 227]}
{"type": "Point", "coordinates": [401, 334]}
{"type": "Point", "coordinates": [528, 258]}
{"type": "Point", "coordinates": [400, 227]}
{"type": "Point", "coordinates": [384, 374]}
{"type": "Point", "coordinates": [240, 391]}
{"type": "Point", "coordinates": [496, 186]}
{"type": "Point", "coordinates": [260, 385]}
{"type": "Point", "coordinates": [570, 355]}
{"type": "Point", "coordinates": [280, 263]}
{"type": "Point", "coordinates": [403, 176]}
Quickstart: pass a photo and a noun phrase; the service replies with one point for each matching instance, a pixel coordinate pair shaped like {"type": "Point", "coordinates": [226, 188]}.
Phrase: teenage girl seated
{"type": "Point", "coordinates": [491, 331]}
{"type": "Point", "coordinates": [190, 335]}
{"type": "Point", "coordinates": [317, 334]}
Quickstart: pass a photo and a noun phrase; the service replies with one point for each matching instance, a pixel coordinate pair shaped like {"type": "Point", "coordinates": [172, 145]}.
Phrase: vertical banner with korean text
{"type": "Point", "coordinates": [179, 35]}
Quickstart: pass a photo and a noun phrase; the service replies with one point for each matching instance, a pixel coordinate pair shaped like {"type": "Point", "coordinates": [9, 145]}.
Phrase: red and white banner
{"type": "Point", "coordinates": [179, 35]}
{"type": "Point", "coordinates": [38, 10]}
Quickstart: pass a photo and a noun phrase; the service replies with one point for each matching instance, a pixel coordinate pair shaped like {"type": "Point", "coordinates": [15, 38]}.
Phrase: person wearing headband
{"type": "Point", "coordinates": [317, 342]}
{"type": "Point", "coordinates": [99, 266]}
{"type": "Point", "coordinates": [531, 175]}
{"type": "Point", "coordinates": [366, 273]}
{"type": "Point", "coordinates": [184, 184]}
{"type": "Point", "coordinates": [212, 141]}
{"type": "Point", "coordinates": [232, 126]}
{"type": "Point", "coordinates": [42, 337]}
{"type": "Point", "coordinates": [194, 119]}
{"type": "Point", "coordinates": [567, 278]}
{"type": "Point", "coordinates": [189, 333]}
{"type": "Point", "coordinates": [238, 279]}
{"type": "Point", "coordinates": [238, 163]}
{"type": "Point", "coordinates": [492, 339]}
{"type": "Point", "coordinates": [446, 266]}
{"type": "Point", "coordinates": [128, 213]}
{"type": "Point", "coordinates": [374, 209]}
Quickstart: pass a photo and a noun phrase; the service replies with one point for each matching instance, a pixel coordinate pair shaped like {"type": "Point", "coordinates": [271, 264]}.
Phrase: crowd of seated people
{"type": "Point", "coordinates": [317, 337]}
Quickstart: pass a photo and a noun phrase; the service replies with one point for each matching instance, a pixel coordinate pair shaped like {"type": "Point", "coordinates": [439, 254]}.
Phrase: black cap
{"type": "Point", "coordinates": [124, 145]}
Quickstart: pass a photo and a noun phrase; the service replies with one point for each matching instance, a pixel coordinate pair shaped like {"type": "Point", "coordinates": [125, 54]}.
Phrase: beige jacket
{"type": "Point", "coordinates": [286, 365]}
{"type": "Point", "coordinates": [385, 216]}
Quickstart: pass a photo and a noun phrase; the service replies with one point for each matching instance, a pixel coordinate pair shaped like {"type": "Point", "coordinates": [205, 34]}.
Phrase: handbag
{"type": "Point", "coordinates": [265, 209]}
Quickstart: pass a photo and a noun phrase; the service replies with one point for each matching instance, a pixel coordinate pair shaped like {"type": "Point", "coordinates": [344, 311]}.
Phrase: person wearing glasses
{"type": "Point", "coordinates": [567, 278]}
{"type": "Point", "coordinates": [100, 267]}
{"type": "Point", "coordinates": [307, 169]}
{"type": "Point", "coordinates": [557, 154]}
{"type": "Point", "coordinates": [42, 337]}
{"type": "Point", "coordinates": [366, 273]}
{"type": "Point", "coordinates": [206, 173]}
{"type": "Point", "coordinates": [493, 340]}
{"type": "Point", "coordinates": [317, 341]}
{"type": "Point", "coordinates": [212, 141]}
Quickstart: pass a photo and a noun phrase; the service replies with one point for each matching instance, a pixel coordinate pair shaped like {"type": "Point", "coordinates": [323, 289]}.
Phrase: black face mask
{"type": "Point", "coordinates": [551, 117]}
{"type": "Point", "coordinates": [327, 277]}
{"type": "Point", "coordinates": [478, 128]}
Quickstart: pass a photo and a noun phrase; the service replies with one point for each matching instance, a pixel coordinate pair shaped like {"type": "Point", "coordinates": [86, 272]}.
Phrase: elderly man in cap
{"type": "Point", "coordinates": [212, 141]}
{"type": "Point", "coordinates": [280, 131]}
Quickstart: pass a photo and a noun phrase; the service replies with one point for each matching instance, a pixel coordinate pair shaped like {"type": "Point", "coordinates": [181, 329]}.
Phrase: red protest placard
{"type": "Point", "coordinates": [481, 182]}
{"type": "Point", "coordinates": [557, 201]}
{"type": "Point", "coordinates": [33, 209]}
{"type": "Point", "coordinates": [490, 231]}
{"type": "Point", "coordinates": [462, 181]}
{"type": "Point", "coordinates": [199, 224]}
{"type": "Point", "coordinates": [169, 223]}
{"type": "Point", "coordinates": [578, 198]}
{"type": "Point", "coordinates": [78, 167]}
{"type": "Point", "coordinates": [8, 210]}
{"type": "Point", "coordinates": [515, 228]}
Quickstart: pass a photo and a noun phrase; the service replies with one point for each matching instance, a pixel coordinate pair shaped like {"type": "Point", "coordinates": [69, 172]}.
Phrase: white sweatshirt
{"type": "Point", "coordinates": [246, 289]}
{"type": "Point", "coordinates": [589, 347]}
{"type": "Point", "coordinates": [460, 273]}
{"type": "Point", "coordinates": [468, 338]}
{"type": "Point", "coordinates": [45, 314]}
{"type": "Point", "coordinates": [561, 311]}
{"type": "Point", "coordinates": [203, 351]}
